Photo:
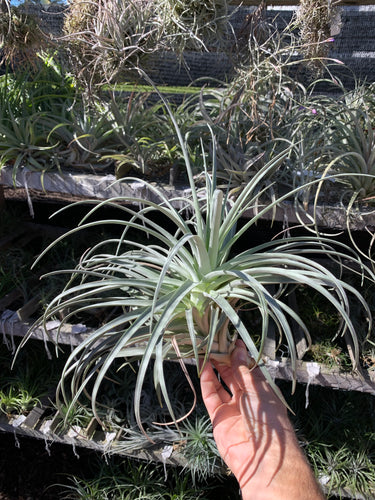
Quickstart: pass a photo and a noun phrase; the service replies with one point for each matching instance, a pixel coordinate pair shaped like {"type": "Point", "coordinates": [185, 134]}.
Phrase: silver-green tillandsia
{"type": "Point", "coordinates": [179, 296]}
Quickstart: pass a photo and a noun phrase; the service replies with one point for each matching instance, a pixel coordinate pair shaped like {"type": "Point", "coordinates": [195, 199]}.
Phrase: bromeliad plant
{"type": "Point", "coordinates": [179, 295]}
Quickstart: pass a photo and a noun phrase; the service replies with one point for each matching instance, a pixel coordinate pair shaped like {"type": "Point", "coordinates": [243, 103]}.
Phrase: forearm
{"type": "Point", "coordinates": [292, 480]}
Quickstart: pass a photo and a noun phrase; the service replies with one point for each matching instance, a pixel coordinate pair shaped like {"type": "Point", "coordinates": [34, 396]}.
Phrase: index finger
{"type": "Point", "coordinates": [213, 393]}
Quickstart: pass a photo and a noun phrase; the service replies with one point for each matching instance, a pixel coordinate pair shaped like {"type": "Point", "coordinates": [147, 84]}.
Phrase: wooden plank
{"type": "Point", "coordinates": [152, 453]}
{"type": "Point", "coordinates": [11, 326]}
{"type": "Point", "coordinates": [36, 414]}
{"type": "Point", "coordinates": [292, 3]}
{"type": "Point", "coordinates": [279, 368]}
{"type": "Point", "coordinates": [327, 377]}
{"type": "Point", "coordinates": [88, 187]}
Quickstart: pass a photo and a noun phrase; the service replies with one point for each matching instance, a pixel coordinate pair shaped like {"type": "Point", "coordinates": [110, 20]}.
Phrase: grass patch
{"type": "Point", "coordinates": [163, 89]}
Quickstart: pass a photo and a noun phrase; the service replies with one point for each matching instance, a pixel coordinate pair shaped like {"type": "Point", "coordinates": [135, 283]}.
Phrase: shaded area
{"type": "Point", "coordinates": [29, 468]}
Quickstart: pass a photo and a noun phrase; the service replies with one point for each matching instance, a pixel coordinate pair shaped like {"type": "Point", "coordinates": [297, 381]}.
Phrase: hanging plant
{"type": "Point", "coordinates": [193, 24]}
{"type": "Point", "coordinates": [20, 38]}
{"type": "Point", "coordinates": [314, 20]}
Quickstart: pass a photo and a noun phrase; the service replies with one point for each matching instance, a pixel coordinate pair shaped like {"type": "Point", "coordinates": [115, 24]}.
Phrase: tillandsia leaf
{"type": "Point", "coordinates": [243, 332]}
{"type": "Point", "coordinates": [214, 227]}
{"type": "Point", "coordinates": [191, 330]}
{"type": "Point", "coordinates": [155, 342]}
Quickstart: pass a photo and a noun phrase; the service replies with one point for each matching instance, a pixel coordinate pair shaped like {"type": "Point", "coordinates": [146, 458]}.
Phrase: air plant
{"type": "Point", "coordinates": [192, 24]}
{"type": "Point", "coordinates": [16, 400]}
{"type": "Point", "coordinates": [353, 151]}
{"type": "Point", "coordinates": [352, 469]}
{"type": "Point", "coordinates": [179, 294]}
{"type": "Point", "coordinates": [145, 140]}
{"type": "Point", "coordinates": [315, 20]}
{"type": "Point", "coordinates": [20, 37]}
{"type": "Point", "coordinates": [104, 39]}
{"type": "Point", "coordinates": [71, 417]}
{"type": "Point", "coordinates": [133, 481]}
{"type": "Point", "coordinates": [199, 449]}
{"type": "Point", "coordinates": [350, 161]}
{"type": "Point", "coordinates": [23, 143]}
{"type": "Point", "coordinates": [84, 136]}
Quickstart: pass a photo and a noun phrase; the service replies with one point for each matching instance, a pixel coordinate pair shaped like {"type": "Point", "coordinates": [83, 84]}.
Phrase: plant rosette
{"type": "Point", "coordinates": [179, 295]}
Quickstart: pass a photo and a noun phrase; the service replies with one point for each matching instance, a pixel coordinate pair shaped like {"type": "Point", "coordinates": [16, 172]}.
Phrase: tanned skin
{"type": "Point", "coordinates": [254, 434]}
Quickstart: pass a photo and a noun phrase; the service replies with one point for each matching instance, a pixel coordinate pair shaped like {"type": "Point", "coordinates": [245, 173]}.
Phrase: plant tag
{"type": "Point", "coordinates": [46, 426]}
{"type": "Point", "coordinates": [74, 431]}
{"type": "Point", "coordinates": [323, 480]}
{"type": "Point", "coordinates": [18, 421]}
{"type": "Point", "coordinates": [165, 454]}
{"type": "Point", "coordinates": [313, 370]}
{"type": "Point", "coordinates": [109, 437]}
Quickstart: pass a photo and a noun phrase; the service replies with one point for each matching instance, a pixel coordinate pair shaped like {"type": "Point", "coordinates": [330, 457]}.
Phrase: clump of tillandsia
{"type": "Point", "coordinates": [105, 39]}
{"type": "Point", "coordinates": [192, 24]}
{"type": "Point", "coordinates": [315, 20]}
{"type": "Point", "coordinates": [337, 144]}
{"type": "Point", "coordinates": [179, 295]}
{"type": "Point", "coordinates": [20, 38]}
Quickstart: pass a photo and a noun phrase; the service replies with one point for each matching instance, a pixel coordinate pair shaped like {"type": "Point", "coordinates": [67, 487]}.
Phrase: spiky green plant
{"type": "Point", "coordinates": [133, 481]}
{"type": "Point", "coordinates": [353, 151]}
{"type": "Point", "coordinates": [84, 136]}
{"type": "Point", "coordinates": [200, 451]}
{"type": "Point", "coordinates": [346, 156]}
{"type": "Point", "coordinates": [69, 416]}
{"type": "Point", "coordinates": [180, 294]}
{"type": "Point", "coordinates": [16, 400]}
{"type": "Point", "coordinates": [145, 141]}
{"type": "Point", "coordinates": [23, 144]}
{"type": "Point", "coordinates": [344, 468]}
{"type": "Point", "coordinates": [31, 104]}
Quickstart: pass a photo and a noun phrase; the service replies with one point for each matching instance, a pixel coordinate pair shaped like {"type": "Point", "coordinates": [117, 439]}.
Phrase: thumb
{"type": "Point", "coordinates": [240, 356]}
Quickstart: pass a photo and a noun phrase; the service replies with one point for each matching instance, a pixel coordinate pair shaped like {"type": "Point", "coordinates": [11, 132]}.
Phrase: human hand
{"type": "Point", "coordinates": [253, 433]}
